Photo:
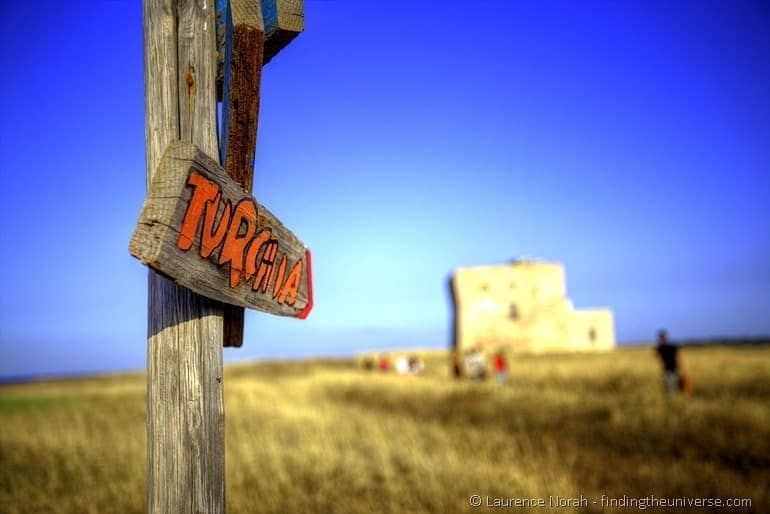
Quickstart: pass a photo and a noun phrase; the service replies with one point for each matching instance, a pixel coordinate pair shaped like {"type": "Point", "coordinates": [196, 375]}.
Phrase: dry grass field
{"type": "Point", "coordinates": [325, 436]}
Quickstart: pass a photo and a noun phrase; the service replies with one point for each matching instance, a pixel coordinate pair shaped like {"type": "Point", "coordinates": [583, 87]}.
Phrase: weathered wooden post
{"type": "Point", "coordinates": [185, 407]}
{"type": "Point", "coordinates": [211, 247]}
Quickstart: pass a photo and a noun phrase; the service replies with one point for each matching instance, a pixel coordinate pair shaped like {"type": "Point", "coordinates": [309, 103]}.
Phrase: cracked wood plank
{"type": "Point", "coordinates": [204, 232]}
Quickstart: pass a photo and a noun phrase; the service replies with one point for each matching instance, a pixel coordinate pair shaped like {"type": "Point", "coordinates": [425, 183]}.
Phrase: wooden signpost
{"type": "Point", "coordinates": [211, 247]}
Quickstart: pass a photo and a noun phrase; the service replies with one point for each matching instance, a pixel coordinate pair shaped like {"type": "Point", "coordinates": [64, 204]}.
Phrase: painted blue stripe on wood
{"type": "Point", "coordinates": [223, 8]}
{"type": "Point", "coordinates": [270, 15]}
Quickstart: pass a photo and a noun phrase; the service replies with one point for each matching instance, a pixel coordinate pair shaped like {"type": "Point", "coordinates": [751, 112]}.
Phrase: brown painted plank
{"type": "Point", "coordinates": [243, 75]}
{"type": "Point", "coordinates": [281, 21]}
{"type": "Point", "coordinates": [206, 233]}
{"type": "Point", "coordinates": [234, 320]}
{"type": "Point", "coordinates": [185, 408]}
{"type": "Point", "coordinates": [244, 40]}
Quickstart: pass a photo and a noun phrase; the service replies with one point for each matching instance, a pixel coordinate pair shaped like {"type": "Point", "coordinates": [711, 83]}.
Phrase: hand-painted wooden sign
{"type": "Point", "coordinates": [201, 229]}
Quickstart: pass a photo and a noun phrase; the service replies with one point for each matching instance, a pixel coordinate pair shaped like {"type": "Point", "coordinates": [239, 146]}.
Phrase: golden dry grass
{"type": "Point", "coordinates": [325, 436]}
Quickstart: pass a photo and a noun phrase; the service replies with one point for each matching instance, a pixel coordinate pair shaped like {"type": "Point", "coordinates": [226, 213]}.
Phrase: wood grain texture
{"type": "Point", "coordinates": [161, 109]}
{"type": "Point", "coordinates": [247, 12]}
{"type": "Point", "coordinates": [240, 109]}
{"type": "Point", "coordinates": [185, 409]}
{"type": "Point", "coordinates": [280, 20]}
{"type": "Point", "coordinates": [283, 21]}
{"type": "Point", "coordinates": [197, 110]}
{"type": "Point", "coordinates": [197, 72]}
{"type": "Point", "coordinates": [201, 229]}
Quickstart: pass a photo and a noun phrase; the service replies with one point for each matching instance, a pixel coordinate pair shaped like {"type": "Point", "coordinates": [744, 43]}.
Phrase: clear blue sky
{"type": "Point", "coordinates": [401, 139]}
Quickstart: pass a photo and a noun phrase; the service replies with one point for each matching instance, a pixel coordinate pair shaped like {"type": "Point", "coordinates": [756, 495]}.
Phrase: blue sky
{"type": "Point", "coordinates": [399, 140]}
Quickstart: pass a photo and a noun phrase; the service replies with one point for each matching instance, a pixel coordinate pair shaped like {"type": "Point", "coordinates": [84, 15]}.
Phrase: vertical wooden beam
{"type": "Point", "coordinates": [244, 40]}
{"type": "Point", "coordinates": [161, 106]}
{"type": "Point", "coordinates": [185, 408]}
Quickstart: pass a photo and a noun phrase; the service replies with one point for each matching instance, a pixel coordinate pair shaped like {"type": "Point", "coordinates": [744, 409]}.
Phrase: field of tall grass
{"type": "Point", "coordinates": [327, 436]}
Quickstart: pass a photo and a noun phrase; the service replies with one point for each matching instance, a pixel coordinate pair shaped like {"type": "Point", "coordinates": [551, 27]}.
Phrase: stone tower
{"type": "Point", "coordinates": [523, 307]}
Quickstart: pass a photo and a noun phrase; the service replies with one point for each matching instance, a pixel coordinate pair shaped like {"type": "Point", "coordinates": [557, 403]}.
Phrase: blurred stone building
{"type": "Point", "coordinates": [523, 307]}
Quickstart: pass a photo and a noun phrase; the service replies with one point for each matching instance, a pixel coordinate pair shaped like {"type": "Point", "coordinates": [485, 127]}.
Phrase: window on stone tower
{"type": "Point", "coordinates": [513, 312]}
{"type": "Point", "coordinates": [592, 335]}
{"type": "Point", "coordinates": [485, 287]}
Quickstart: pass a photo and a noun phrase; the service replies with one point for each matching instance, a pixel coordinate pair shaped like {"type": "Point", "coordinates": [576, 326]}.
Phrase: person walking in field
{"type": "Point", "coordinates": [415, 365]}
{"type": "Point", "coordinates": [476, 364]}
{"type": "Point", "coordinates": [402, 365]}
{"type": "Point", "coordinates": [499, 367]}
{"type": "Point", "coordinates": [384, 364]}
{"type": "Point", "coordinates": [669, 357]}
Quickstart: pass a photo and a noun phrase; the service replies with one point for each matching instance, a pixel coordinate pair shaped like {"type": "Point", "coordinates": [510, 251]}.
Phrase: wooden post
{"type": "Point", "coordinates": [185, 408]}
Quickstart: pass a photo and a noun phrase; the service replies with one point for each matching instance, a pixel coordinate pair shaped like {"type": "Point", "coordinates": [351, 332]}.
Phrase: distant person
{"type": "Point", "coordinates": [669, 357]}
{"type": "Point", "coordinates": [402, 365]}
{"type": "Point", "coordinates": [415, 365]}
{"type": "Point", "coordinates": [384, 364]}
{"type": "Point", "coordinates": [476, 364]}
{"type": "Point", "coordinates": [499, 366]}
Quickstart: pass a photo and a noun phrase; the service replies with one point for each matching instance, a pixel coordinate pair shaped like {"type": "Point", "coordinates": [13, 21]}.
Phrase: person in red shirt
{"type": "Point", "coordinates": [384, 364]}
{"type": "Point", "coordinates": [499, 367]}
